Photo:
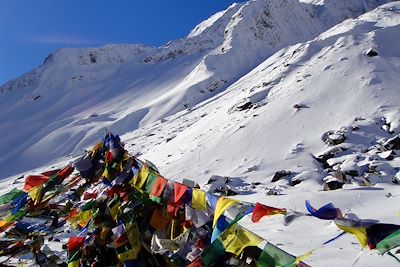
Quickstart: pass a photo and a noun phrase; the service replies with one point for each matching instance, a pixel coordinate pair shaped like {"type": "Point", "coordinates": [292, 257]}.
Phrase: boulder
{"type": "Point", "coordinates": [371, 52]}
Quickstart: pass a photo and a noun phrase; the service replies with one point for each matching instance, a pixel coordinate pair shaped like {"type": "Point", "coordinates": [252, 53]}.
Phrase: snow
{"type": "Point", "coordinates": [301, 65]}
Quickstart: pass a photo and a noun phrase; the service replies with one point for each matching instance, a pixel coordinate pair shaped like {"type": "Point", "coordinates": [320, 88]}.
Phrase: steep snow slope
{"type": "Point", "coordinates": [297, 96]}
{"type": "Point", "coordinates": [65, 105]}
{"type": "Point", "coordinates": [331, 76]}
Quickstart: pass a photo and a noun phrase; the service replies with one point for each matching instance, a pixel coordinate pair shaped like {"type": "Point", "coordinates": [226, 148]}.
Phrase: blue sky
{"type": "Point", "coordinates": [30, 30]}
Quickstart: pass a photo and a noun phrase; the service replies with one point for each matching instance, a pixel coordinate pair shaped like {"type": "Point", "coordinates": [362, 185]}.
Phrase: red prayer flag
{"type": "Point", "coordinates": [196, 263]}
{"type": "Point", "coordinates": [179, 191]}
{"type": "Point", "coordinates": [64, 173]}
{"type": "Point", "coordinates": [261, 210]}
{"type": "Point", "coordinates": [50, 173]}
{"type": "Point", "coordinates": [34, 180]}
{"type": "Point", "coordinates": [158, 187]}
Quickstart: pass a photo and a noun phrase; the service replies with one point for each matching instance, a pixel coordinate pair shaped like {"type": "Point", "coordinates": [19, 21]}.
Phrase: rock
{"type": "Point", "coordinates": [388, 155]}
{"type": "Point", "coordinates": [392, 143]}
{"type": "Point", "coordinates": [371, 52]}
{"type": "Point", "coordinates": [333, 185]}
{"type": "Point", "coordinates": [280, 174]}
{"type": "Point", "coordinates": [335, 138]}
{"type": "Point", "coordinates": [300, 106]}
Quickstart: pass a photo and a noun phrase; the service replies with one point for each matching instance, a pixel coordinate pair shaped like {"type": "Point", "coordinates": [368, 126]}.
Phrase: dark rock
{"type": "Point", "coordinates": [280, 174]}
{"type": "Point", "coordinates": [300, 106]}
{"type": "Point", "coordinates": [334, 185]}
{"type": "Point", "coordinates": [371, 53]}
{"type": "Point", "coordinates": [392, 143]}
{"type": "Point", "coordinates": [244, 106]}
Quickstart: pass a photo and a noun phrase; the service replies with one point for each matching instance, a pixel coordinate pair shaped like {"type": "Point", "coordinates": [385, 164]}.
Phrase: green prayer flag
{"type": "Point", "coordinates": [88, 206]}
{"type": "Point", "coordinates": [150, 182]}
{"type": "Point", "coordinates": [389, 242]}
{"type": "Point", "coordinates": [212, 253]}
{"type": "Point", "coordinates": [273, 256]}
{"type": "Point", "coordinates": [10, 196]}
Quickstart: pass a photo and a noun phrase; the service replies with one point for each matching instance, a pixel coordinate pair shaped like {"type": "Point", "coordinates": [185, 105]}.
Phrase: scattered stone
{"type": "Point", "coordinates": [392, 143]}
{"type": "Point", "coordinates": [280, 174]}
{"type": "Point", "coordinates": [244, 106]}
{"type": "Point", "coordinates": [300, 106]}
{"type": "Point", "coordinates": [371, 52]}
{"type": "Point", "coordinates": [335, 138]}
{"type": "Point", "coordinates": [388, 155]}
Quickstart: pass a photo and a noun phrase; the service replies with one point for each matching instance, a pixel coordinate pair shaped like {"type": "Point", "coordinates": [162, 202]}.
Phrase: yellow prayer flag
{"type": "Point", "coordinates": [74, 263]}
{"type": "Point", "coordinates": [359, 232]}
{"type": "Point", "coordinates": [236, 239]}
{"type": "Point", "coordinates": [222, 204]}
{"type": "Point", "coordinates": [84, 217]}
{"type": "Point", "coordinates": [128, 255]}
{"type": "Point", "coordinates": [198, 199]}
{"type": "Point", "coordinates": [140, 180]}
{"type": "Point", "coordinates": [133, 233]}
{"type": "Point", "coordinates": [36, 193]}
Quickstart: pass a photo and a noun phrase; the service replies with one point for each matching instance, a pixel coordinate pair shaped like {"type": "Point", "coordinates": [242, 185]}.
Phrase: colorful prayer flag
{"type": "Point", "coordinates": [390, 242]}
{"type": "Point", "coordinates": [222, 204]}
{"type": "Point", "coordinates": [327, 212]}
{"type": "Point", "coordinates": [261, 210]}
{"type": "Point", "coordinates": [198, 199]}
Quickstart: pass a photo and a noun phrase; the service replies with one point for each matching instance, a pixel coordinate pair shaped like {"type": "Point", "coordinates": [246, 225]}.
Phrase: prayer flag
{"type": "Point", "coordinates": [261, 210]}
{"type": "Point", "coordinates": [179, 192]}
{"type": "Point", "coordinates": [389, 242]}
{"type": "Point", "coordinates": [198, 199]}
{"type": "Point", "coordinates": [222, 204]}
{"type": "Point", "coordinates": [327, 212]}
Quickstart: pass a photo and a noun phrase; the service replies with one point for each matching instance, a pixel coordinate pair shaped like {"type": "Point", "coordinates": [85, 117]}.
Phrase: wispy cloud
{"type": "Point", "coordinates": [65, 40]}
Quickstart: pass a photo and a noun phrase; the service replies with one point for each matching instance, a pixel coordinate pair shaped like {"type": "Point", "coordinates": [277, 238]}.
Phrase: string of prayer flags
{"type": "Point", "coordinates": [222, 204]}
{"type": "Point", "coordinates": [261, 210]}
{"type": "Point", "coordinates": [327, 212]}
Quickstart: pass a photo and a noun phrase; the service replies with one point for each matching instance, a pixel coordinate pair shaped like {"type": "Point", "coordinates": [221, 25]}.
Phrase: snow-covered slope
{"type": "Point", "coordinates": [64, 105]}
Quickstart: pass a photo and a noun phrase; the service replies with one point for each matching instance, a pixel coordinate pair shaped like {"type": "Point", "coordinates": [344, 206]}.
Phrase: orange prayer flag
{"type": "Point", "coordinates": [158, 221]}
